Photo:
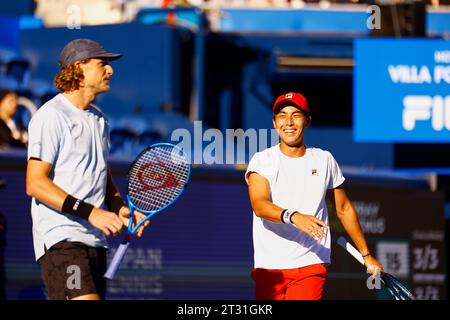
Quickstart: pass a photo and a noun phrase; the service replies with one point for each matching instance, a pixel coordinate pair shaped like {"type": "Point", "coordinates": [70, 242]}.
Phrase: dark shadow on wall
{"type": "Point", "coordinates": [225, 58]}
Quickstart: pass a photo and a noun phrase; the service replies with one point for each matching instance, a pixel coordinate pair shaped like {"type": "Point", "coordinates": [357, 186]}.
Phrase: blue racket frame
{"type": "Point", "coordinates": [392, 284]}
{"type": "Point", "coordinates": [120, 253]}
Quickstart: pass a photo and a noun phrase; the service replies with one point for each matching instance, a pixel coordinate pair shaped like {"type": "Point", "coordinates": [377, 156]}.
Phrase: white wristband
{"type": "Point", "coordinates": [286, 216]}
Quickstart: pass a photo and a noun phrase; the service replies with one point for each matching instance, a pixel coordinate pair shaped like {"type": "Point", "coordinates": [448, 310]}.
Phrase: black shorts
{"type": "Point", "coordinates": [73, 269]}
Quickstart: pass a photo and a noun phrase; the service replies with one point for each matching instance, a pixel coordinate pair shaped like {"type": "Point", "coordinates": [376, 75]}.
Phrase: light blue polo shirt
{"type": "Point", "coordinates": [76, 143]}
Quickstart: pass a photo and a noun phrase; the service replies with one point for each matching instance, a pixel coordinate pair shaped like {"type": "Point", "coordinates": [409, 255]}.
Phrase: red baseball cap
{"type": "Point", "coordinates": [291, 98]}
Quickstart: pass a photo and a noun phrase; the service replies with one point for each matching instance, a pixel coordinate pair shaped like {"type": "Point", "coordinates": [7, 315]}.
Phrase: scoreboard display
{"type": "Point", "coordinates": [404, 229]}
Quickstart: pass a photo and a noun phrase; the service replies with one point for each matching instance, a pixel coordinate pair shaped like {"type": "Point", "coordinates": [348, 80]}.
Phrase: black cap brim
{"type": "Point", "coordinates": [109, 56]}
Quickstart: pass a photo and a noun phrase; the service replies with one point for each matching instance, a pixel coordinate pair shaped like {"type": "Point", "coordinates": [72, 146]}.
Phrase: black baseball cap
{"type": "Point", "coordinates": [81, 49]}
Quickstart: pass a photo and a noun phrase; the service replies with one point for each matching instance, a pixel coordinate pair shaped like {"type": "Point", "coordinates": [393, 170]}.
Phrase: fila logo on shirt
{"type": "Point", "coordinates": [314, 172]}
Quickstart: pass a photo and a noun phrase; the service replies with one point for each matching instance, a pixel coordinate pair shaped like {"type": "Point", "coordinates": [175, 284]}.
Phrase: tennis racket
{"type": "Point", "coordinates": [392, 284]}
{"type": "Point", "coordinates": [156, 179]}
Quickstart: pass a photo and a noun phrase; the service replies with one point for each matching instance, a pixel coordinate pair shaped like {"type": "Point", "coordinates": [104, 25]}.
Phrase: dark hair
{"type": "Point", "coordinates": [282, 105]}
{"type": "Point", "coordinates": [5, 92]}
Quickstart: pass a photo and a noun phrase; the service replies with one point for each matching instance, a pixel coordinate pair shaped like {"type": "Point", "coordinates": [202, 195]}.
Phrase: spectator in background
{"type": "Point", "coordinates": [11, 134]}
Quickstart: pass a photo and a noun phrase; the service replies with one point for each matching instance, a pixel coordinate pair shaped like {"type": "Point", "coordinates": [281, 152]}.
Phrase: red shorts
{"type": "Point", "coordinates": [304, 283]}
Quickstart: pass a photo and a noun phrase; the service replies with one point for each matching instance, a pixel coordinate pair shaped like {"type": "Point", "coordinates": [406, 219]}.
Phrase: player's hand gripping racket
{"type": "Point", "coordinates": [392, 284]}
{"type": "Point", "coordinates": [156, 179]}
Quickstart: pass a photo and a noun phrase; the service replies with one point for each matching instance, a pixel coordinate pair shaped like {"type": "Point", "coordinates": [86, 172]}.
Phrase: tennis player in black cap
{"type": "Point", "coordinates": [75, 203]}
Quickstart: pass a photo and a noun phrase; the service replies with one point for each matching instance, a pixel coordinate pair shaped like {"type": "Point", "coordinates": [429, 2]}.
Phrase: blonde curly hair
{"type": "Point", "coordinates": [70, 77]}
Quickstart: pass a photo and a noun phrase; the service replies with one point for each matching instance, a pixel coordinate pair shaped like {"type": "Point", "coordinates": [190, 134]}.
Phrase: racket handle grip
{"type": "Point", "coordinates": [117, 259]}
{"type": "Point", "coordinates": [350, 249]}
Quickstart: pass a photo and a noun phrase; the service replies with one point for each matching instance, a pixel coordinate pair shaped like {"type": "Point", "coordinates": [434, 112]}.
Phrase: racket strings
{"type": "Point", "coordinates": [150, 199]}
{"type": "Point", "coordinates": [396, 288]}
{"type": "Point", "coordinates": [156, 197]}
{"type": "Point", "coordinates": [157, 177]}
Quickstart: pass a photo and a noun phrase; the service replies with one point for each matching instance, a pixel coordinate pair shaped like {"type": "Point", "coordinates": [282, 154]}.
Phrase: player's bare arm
{"type": "Point", "coordinates": [259, 191]}
{"type": "Point", "coordinates": [40, 186]}
{"type": "Point", "coordinates": [347, 215]}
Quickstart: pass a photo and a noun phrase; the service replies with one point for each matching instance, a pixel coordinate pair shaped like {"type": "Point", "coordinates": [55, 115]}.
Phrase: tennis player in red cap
{"type": "Point", "coordinates": [288, 184]}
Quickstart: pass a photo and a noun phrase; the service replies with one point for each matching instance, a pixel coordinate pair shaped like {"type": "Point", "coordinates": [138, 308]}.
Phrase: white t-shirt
{"type": "Point", "coordinates": [299, 184]}
{"type": "Point", "coordinates": [76, 143]}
